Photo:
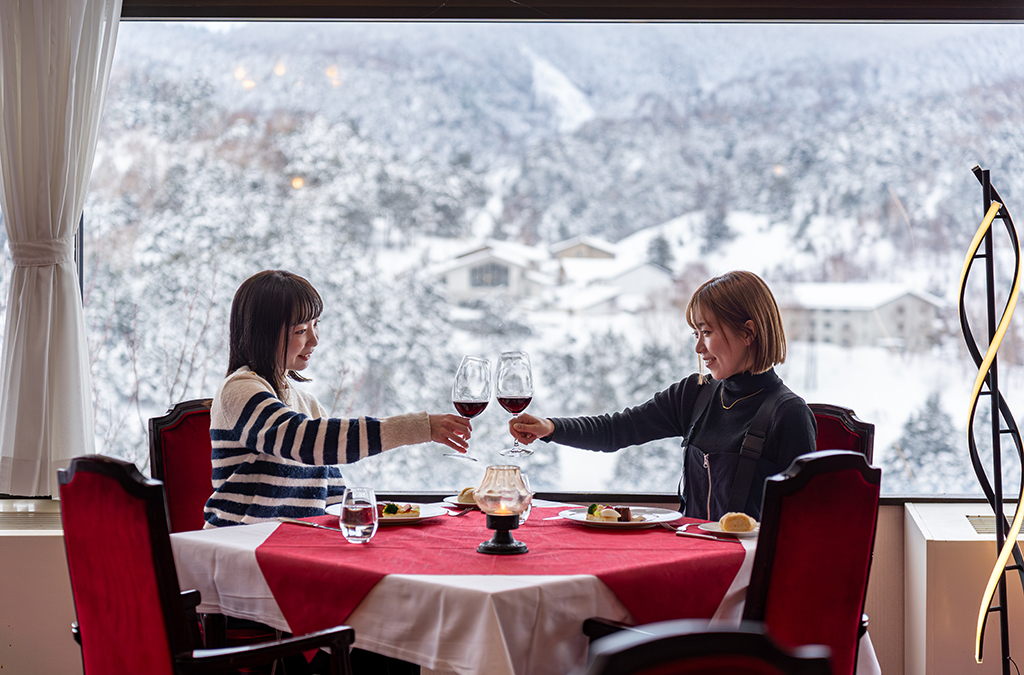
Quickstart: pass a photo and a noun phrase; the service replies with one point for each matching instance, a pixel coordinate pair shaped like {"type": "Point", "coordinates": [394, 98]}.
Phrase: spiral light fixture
{"type": "Point", "coordinates": [1006, 533]}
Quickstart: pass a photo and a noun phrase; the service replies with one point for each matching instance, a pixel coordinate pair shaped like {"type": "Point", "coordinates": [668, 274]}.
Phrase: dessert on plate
{"type": "Point", "coordinates": [611, 514]}
{"type": "Point", "coordinates": [395, 510]}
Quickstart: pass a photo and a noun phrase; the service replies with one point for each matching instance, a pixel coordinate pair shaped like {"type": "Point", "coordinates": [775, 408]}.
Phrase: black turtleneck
{"type": "Point", "coordinates": [791, 432]}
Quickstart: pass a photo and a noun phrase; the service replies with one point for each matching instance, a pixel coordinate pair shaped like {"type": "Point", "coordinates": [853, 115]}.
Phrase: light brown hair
{"type": "Point", "coordinates": [264, 306]}
{"type": "Point", "coordinates": [734, 298]}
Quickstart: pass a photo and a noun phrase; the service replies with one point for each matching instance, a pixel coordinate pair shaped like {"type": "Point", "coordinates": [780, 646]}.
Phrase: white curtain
{"type": "Point", "coordinates": [55, 58]}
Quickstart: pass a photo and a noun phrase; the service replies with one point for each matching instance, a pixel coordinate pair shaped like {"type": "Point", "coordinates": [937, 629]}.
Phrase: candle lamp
{"type": "Point", "coordinates": [502, 495]}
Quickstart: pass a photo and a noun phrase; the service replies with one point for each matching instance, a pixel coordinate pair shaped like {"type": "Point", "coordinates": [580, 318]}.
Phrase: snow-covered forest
{"type": "Point", "coordinates": [360, 155]}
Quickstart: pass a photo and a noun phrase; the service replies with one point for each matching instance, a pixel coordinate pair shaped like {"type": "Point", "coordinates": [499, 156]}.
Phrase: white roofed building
{"type": "Point", "coordinates": [861, 314]}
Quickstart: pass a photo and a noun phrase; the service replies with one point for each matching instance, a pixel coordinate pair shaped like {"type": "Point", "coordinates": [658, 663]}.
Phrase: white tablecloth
{"type": "Point", "coordinates": [468, 625]}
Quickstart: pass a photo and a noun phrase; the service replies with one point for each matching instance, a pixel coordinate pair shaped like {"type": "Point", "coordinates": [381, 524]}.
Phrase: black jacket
{"type": "Point", "coordinates": [717, 437]}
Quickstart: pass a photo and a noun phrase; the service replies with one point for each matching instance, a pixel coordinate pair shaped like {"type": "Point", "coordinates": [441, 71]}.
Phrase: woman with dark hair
{"type": "Point", "coordinates": [275, 450]}
{"type": "Point", "coordinates": [740, 339]}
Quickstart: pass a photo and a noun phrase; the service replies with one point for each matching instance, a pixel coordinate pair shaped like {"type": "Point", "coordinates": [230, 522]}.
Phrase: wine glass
{"type": "Point", "coordinates": [515, 391]}
{"type": "Point", "coordinates": [358, 514]}
{"type": "Point", "coordinates": [529, 505]}
{"type": "Point", "coordinates": [471, 391]}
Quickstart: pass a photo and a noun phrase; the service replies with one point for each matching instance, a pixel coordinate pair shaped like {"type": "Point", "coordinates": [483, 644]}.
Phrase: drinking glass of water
{"type": "Point", "coordinates": [526, 512]}
{"type": "Point", "coordinates": [358, 514]}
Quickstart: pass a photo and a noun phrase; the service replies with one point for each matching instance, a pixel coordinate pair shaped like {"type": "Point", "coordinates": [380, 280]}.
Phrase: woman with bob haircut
{"type": "Point", "coordinates": [275, 449]}
{"type": "Point", "coordinates": [740, 340]}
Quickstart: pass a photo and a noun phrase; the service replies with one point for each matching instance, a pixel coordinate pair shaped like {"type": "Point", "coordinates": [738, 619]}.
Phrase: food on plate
{"type": "Point", "coordinates": [393, 510]}
{"type": "Point", "coordinates": [466, 496]}
{"type": "Point", "coordinates": [611, 514]}
{"type": "Point", "coordinates": [734, 521]}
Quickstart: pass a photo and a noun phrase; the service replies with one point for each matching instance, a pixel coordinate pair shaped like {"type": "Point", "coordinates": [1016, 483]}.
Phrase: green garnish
{"type": "Point", "coordinates": [390, 508]}
{"type": "Point", "coordinates": [593, 507]}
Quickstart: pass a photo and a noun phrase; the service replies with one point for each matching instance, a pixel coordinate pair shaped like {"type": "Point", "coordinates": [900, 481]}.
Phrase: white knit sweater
{"type": "Point", "coordinates": [274, 457]}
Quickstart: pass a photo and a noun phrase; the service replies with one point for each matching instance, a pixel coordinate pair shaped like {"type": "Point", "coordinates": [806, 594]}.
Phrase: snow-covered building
{"type": "Point", "coordinates": [861, 314]}
{"type": "Point", "coordinates": [579, 276]}
{"type": "Point", "coordinates": [583, 246]}
{"type": "Point", "coordinates": [513, 269]}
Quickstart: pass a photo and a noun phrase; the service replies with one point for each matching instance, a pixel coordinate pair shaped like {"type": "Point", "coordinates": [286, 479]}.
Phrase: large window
{"type": "Point", "coordinates": [368, 156]}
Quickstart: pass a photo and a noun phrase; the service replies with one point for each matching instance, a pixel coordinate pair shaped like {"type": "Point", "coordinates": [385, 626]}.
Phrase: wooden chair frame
{"type": "Point", "coordinates": [865, 431]}
{"type": "Point", "coordinates": [178, 607]}
{"type": "Point", "coordinates": [658, 644]}
{"type": "Point", "coordinates": [800, 473]}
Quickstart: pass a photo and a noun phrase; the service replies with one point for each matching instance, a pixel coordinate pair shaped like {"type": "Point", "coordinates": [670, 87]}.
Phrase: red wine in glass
{"type": "Point", "coordinates": [470, 408]}
{"type": "Point", "coordinates": [471, 391]}
{"type": "Point", "coordinates": [514, 404]}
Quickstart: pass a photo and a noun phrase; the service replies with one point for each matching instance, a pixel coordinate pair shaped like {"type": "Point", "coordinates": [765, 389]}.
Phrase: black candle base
{"type": "Point", "coordinates": [502, 542]}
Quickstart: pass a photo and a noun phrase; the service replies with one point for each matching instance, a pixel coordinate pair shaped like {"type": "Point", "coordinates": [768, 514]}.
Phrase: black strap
{"type": "Point", "coordinates": [705, 395]}
{"type": "Point", "coordinates": [753, 445]}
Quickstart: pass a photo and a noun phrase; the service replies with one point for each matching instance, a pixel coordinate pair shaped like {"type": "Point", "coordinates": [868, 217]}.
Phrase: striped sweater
{"type": "Point", "coordinates": [274, 457]}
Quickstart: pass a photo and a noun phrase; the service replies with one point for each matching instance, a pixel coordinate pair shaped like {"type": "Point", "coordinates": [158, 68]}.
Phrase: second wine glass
{"type": "Point", "coordinates": [515, 391]}
{"type": "Point", "coordinates": [471, 391]}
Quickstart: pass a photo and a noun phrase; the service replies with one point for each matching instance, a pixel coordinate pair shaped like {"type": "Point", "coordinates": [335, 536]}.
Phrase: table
{"type": "Point", "coordinates": [498, 624]}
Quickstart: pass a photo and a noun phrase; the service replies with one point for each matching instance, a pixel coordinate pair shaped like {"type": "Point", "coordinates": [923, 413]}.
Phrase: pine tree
{"type": "Point", "coordinates": [930, 456]}
{"type": "Point", "coordinates": [659, 252]}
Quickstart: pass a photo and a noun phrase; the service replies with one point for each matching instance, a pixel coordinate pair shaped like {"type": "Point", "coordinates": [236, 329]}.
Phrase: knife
{"type": "Point", "coordinates": [296, 521]}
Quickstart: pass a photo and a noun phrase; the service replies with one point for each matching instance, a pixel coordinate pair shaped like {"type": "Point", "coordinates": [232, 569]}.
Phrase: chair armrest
{"type": "Point", "coordinates": [597, 627]}
{"type": "Point", "coordinates": [230, 659]}
{"type": "Point", "coordinates": [190, 600]}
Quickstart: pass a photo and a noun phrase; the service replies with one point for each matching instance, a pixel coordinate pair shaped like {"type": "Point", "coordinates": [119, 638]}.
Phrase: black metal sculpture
{"type": "Point", "coordinates": [988, 379]}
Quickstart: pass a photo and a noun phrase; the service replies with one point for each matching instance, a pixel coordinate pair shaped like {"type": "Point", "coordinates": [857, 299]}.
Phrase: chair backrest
{"type": "Point", "coordinates": [839, 428]}
{"type": "Point", "coordinates": [180, 456]}
{"type": "Point", "coordinates": [690, 647]}
{"type": "Point", "coordinates": [130, 614]}
{"type": "Point", "coordinates": [810, 572]}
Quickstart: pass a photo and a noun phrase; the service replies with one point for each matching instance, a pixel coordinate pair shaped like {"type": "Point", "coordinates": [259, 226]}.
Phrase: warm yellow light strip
{"type": "Point", "coordinates": [990, 355]}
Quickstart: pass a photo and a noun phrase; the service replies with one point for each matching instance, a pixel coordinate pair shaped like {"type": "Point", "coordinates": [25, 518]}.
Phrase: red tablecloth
{"type": "Point", "coordinates": [318, 578]}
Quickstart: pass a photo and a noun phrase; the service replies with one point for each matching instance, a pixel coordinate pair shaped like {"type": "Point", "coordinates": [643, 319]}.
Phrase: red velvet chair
{"type": "Point", "coordinates": [690, 647]}
{"type": "Point", "coordinates": [810, 572]}
{"type": "Point", "coordinates": [132, 616]}
{"type": "Point", "coordinates": [839, 428]}
{"type": "Point", "coordinates": [179, 455]}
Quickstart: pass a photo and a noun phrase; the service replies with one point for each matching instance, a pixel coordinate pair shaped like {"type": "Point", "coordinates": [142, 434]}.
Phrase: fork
{"type": "Point", "coordinates": [463, 511]}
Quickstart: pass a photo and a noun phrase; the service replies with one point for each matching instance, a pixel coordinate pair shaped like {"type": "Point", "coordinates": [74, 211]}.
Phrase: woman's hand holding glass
{"type": "Point", "coordinates": [450, 430]}
{"type": "Point", "coordinates": [527, 428]}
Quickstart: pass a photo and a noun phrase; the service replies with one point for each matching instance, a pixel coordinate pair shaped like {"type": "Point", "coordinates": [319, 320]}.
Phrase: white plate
{"type": "Point", "coordinates": [454, 501]}
{"type": "Point", "coordinates": [426, 511]}
{"type": "Point", "coordinates": [717, 529]}
{"type": "Point", "coordinates": [651, 517]}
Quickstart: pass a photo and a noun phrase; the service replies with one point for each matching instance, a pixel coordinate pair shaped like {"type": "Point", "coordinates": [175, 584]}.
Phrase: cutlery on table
{"type": "Point", "coordinates": [463, 512]}
{"type": "Point", "coordinates": [296, 521]}
{"type": "Point", "coordinates": [681, 532]}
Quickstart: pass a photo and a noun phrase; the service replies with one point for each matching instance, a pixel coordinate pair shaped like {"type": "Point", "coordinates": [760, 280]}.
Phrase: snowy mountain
{"type": "Point", "coordinates": [363, 154]}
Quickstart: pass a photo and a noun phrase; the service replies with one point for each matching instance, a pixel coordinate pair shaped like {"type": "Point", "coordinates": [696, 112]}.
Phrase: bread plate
{"type": "Point", "coordinates": [651, 516]}
{"type": "Point", "coordinates": [426, 511]}
{"type": "Point", "coordinates": [717, 529]}
{"type": "Point", "coordinates": [454, 501]}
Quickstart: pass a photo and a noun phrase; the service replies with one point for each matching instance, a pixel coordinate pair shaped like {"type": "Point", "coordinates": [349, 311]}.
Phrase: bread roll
{"type": "Point", "coordinates": [734, 521]}
{"type": "Point", "coordinates": [466, 496]}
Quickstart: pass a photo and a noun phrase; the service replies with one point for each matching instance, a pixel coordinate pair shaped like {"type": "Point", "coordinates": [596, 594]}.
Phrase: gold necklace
{"type": "Point", "coordinates": [729, 407]}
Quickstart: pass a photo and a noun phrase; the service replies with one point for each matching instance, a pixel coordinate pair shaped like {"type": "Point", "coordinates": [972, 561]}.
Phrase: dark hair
{"type": "Point", "coordinates": [265, 305]}
{"type": "Point", "coordinates": [735, 298]}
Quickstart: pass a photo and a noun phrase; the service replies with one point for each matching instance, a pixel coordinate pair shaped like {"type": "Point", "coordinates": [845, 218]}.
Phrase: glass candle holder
{"type": "Point", "coordinates": [502, 495]}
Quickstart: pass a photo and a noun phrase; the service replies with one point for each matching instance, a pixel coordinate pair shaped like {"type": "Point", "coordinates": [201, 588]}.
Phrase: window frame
{"type": "Point", "coordinates": [568, 10]}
